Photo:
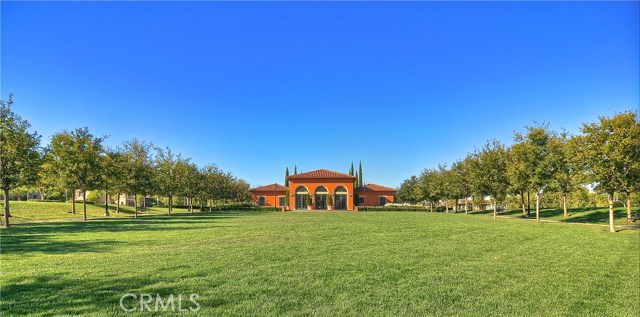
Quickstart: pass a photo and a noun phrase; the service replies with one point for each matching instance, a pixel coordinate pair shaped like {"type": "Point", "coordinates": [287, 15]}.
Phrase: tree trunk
{"type": "Point", "coordinates": [106, 202]}
{"type": "Point", "coordinates": [84, 205]}
{"type": "Point", "coordinates": [524, 210]}
{"type": "Point", "coordinates": [431, 206]}
{"type": "Point", "coordinates": [118, 204]}
{"type": "Point", "coordinates": [144, 203]}
{"type": "Point", "coordinates": [466, 206]}
{"type": "Point", "coordinates": [6, 207]}
{"type": "Point", "coordinates": [73, 202]}
{"type": "Point", "coordinates": [564, 204]}
{"type": "Point", "coordinates": [628, 207]}
{"type": "Point", "coordinates": [191, 204]}
{"type": "Point", "coordinates": [456, 209]}
{"type": "Point", "coordinates": [169, 207]}
{"type": "Point", "coordinates": [611, 214]}
{"type": "Point", "coordinates": [538, 206]}
{"type": "Point", "coordinates": [528, 205]}
{"type": "Point", "coordinates": [135, 205]}
{"type": "Point", "coordinates": [495, 208]}
{"type": "Point", "coordinates": [210, 203]}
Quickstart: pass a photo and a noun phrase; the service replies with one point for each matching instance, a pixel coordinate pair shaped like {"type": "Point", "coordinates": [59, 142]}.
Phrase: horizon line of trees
{"type": "Point", "coordinates": [604, 157]}
{"type": "Point", "coordinates": [78, 160]}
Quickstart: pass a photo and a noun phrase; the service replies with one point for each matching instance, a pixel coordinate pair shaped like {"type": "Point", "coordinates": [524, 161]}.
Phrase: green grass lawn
{"type": "Point", "coordinates": [315, 263]}
{"type": "Point", "coordinates": [36, 211]}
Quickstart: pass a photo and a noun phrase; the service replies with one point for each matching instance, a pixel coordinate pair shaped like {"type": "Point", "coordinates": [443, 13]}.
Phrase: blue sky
{"type": "Point", "coordinates": [255, 87]}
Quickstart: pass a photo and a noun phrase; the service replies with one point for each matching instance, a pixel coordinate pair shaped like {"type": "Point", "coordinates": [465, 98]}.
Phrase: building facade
{"type": "Point", "coordinates": [322, 190]}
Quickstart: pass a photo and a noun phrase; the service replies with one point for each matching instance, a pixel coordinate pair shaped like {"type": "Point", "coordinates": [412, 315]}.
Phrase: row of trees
{"type": "Point", "coordinates": [77, 160]}
{"type": "Point", "coordinates": [604, 157]}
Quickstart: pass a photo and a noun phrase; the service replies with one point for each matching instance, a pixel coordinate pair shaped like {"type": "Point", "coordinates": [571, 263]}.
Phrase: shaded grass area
{"type": "Point", "coordinates": [594, 215]}
{"type": "Point", "coordinates": [318, 263]}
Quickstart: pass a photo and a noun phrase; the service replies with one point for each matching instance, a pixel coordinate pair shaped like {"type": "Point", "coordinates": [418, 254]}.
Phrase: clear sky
{"type": "Point", "coordinates": [255, 87]}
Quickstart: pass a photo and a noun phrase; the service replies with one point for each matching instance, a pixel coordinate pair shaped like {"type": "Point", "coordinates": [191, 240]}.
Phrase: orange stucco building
{"type": "Point", "coordinates": [322, 187]}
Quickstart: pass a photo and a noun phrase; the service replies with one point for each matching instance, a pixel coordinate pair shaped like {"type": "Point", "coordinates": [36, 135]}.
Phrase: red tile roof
{"type": "Point", "coordinates": [375, 188]}
{"type": "Point", "coordinates": [269, 188]}
{"type": "Point", "coordinates": [321, 174]}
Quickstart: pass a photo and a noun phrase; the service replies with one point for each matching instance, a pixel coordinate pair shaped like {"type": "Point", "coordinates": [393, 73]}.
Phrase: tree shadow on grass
{"type": "Point", "coordinates": [57, 294]}
{"type": "Point", "coordinates": [596, 216]}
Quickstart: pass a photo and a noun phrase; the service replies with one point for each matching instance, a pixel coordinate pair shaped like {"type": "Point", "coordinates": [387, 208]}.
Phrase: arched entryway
{"type": "Point", "coordinates": [301, 197]}
{"type": "Point", "coordinates": [320, 198]}
{"type": "Point", "coordinates": [340, 198]}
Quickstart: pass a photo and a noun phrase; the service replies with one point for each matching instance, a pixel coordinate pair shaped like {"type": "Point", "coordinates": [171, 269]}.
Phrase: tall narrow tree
{"type": "Point", "coordinates": [19, 152]}
{"type": "Point", "coordinates": [286, 177]}
{"type": "Point", "coordinates": [360, 179]}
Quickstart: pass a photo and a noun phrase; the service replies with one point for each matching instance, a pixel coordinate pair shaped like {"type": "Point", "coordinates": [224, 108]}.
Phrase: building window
{"type": "Point", "coordinates": [301, 197]}
{"type": "Point", "coordinates": [321, 197]}
{"type": "Point", "coordinates": [360, 200]}
{"type": "Point", "coordinates": [340, 200]}
{"type": "Point", "coordinates": [383, 200]}
{"type": "Point", "coordinates": [261, 201]}
{"type": "Point", "coordinates": [280, 201]}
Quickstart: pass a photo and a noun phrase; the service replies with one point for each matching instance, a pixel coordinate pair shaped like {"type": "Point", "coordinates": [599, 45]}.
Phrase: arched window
{"type": "Point", "coordinates": [340, 198]}
{"type": "Point", "coordinates": [320, 198]}
{"type": "Point", "coordinates": [301, 197]}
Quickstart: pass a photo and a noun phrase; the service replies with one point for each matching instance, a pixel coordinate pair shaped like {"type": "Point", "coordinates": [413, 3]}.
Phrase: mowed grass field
{"type": "Point", "coordinates": [322, 263]}
{"type": "Point", "coordinates": [37, 211]}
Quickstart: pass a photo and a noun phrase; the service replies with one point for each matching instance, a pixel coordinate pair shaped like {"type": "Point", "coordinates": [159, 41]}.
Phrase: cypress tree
{"type": "Point", "coordinates": [351, 169]}
{"type": "Point", "coordinates": [295, 170]}
{"type": "Point", "coordinates": [360, 174]}
{"type": "Point", "coordinates": [356, 181]}
{"type": "Point", "coordinates": [286, 177]}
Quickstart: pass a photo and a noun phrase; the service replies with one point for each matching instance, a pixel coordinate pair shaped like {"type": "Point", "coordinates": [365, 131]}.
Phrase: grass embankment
{"type": "Point", "coordinates": [271, 263]}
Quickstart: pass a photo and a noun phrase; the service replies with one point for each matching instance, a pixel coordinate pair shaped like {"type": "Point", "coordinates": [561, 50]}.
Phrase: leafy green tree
{"type": "Point", "coordinates": [428, 187]}
{"type": "Point", "coordinates": [187, 178]}
{"type": "Point", "coordinates": [165, 164]}
{"type": "Point", "coordinates": [409, 191]}
{"type": "Point", "coordinates": [565, 178]}
{"type": "Point", "coordinates": [475, 184]}
{"type": "Point", "coordinates": [491, 171]}
{"type": "Point", "coordinates": [139, 170]}
{"type": "Point", "coordinates": [77, 162]}
{"type": "Point", "coordinates": [110, 174]}
{"type": "Point", "coordinates": [19, 153]}
{"type": "Point", "coordinates": [119, 173]}
{"type": "Point", "coordinates": [458, 180]}
{"type": "Point", "coordinates": [544, 148]}
{"type": "Point", "coordinates": [609, 157]}
{"type": "Point", "coordinates": [212, 182]}
{"type": "Point", "coordinates": [519, 167]}
{"type": "Point", "coordinates": [441, 185]}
